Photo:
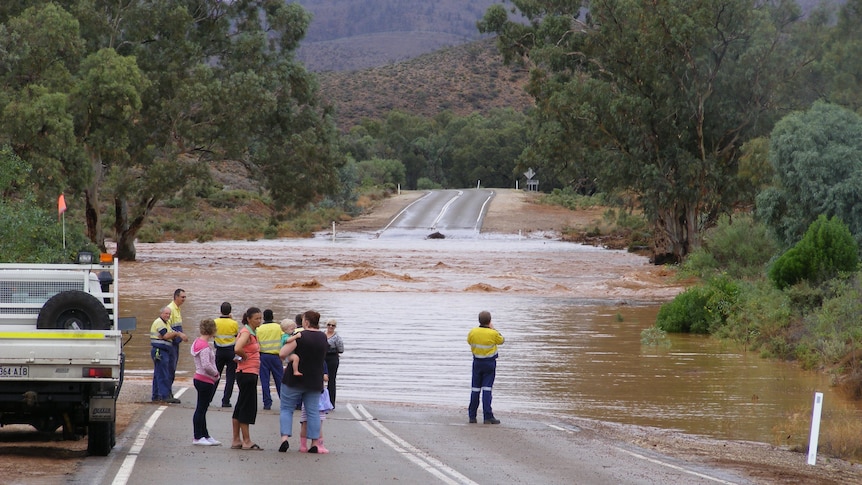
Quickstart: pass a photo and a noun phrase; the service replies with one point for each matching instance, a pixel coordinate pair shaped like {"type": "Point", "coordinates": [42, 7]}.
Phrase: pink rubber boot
{"type": "Point", "coordinates": [303, 444]}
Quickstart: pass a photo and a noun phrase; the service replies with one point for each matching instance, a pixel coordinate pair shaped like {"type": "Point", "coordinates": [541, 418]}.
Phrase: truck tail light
{"type": "Point", "coordinates": [98, 372]}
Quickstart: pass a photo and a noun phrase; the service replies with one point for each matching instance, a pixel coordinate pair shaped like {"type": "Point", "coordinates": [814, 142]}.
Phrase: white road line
{"type": "Point", "coordinates": [445, 208]}
{"type": "Point", "coordinates": [125, 471]}
{"type": "Point", "coordinates": [669, 465]}
{"type": "Point", "coordinates": [402, 211]}
{"type": "Point", "coordinates": [482, 211]}
{"type": "Point", "coordinates": [657, 462]}
{"type": "Point", "coordinates": [415, 455]}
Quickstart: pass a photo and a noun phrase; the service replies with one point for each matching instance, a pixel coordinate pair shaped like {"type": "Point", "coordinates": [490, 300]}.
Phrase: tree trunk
{"type": "Point", "coordinates": [126, 229]}
{"type": "Point", "coordinates": [674, 232]}
{"type": "Point", "coordinates": [125, 241]}
{"type": "Point", "coordinates": [91, 213]}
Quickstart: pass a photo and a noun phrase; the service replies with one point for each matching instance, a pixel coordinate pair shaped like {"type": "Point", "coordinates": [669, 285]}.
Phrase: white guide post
{"type": "Point", "coordinates": [815, 428]}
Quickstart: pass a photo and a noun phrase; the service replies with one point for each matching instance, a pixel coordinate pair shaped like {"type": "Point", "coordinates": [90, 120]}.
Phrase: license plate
{"type": "Point", "coordinates": [7, 371]}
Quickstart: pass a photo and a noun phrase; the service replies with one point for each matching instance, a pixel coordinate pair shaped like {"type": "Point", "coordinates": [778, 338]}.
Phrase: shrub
{"type": "Point", "coordinates": [700, 309]}
{"type": "Point", "coordinates": [677, 315]}
{"type": "Point", "coordinates": [654, 337]}
{"type": "Point", "coordinates": [739, 247]}
{"type": "Point", "coordinates": [826, 249]}
{"type": "Point", "coordinates": [761, 315]}
{"type": "Point", "coordinates": [424, 183]}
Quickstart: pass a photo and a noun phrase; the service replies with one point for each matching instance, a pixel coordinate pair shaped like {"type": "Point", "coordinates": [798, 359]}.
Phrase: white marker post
{"type": "Point", "coordinates": [333, 231]}
{"type": "Point", "coordinates": [815, 428]}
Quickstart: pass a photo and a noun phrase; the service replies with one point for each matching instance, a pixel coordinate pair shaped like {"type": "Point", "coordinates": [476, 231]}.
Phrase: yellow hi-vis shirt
{"type": "Point", "coordinates": [269, 337]}
{"type": "Point", "coordinates": [484, 341]}
{"type": "Point", "coordinates": [226, 330]}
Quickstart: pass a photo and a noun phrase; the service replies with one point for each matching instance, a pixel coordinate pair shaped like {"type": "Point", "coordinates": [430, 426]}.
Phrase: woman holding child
{"type": "Point", "coordinates": [306, 384]}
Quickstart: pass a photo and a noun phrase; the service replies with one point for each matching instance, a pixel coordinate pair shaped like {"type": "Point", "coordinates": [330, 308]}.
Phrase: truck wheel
{"type": "Point", "coordinates": [73, 310]}
{"type": "Point", "coordinates": [99, 439]}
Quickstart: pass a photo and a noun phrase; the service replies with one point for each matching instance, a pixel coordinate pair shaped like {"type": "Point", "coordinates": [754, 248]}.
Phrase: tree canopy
{"type": "Point", "coordinates": [655, 98]}
{"type": "Point", "coordinates": [817, 158]}
{"type": "Point", "coordinates": [127, 102]}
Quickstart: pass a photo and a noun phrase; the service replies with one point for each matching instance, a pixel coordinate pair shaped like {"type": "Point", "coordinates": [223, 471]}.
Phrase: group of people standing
{"type": "Point", "coordinates": [256, 347]}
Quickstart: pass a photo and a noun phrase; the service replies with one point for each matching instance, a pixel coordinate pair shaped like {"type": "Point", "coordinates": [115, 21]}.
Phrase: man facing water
{"type": "Point", "coordinates": [483, 341]}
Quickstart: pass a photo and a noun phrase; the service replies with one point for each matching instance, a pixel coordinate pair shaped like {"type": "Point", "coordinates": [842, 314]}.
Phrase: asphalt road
{"type": "Point", "coordinates": [445, 211]}
{"type": "Point", "coordinates": [372, 443]}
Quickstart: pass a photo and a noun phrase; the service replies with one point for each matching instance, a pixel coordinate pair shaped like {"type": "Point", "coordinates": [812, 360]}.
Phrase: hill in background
{"type": "Point", "coordinates": [356, 34]}
{"type": "Point", "coordinates": [463, 79]}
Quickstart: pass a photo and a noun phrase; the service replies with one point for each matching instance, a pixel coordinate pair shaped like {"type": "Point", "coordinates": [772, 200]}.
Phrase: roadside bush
{"type": "Point", "coordinates": [833, 330]}
{"type": "Point", "coordinates": [739, 247]}
{"type": "Point", "coordinates": [700, 309]}
{"type": "Point", "coordinates": [759, 318]}
{"type": "Point", "coordinates": [826, 249]}
{"type": "Point", "coordinates": [568, 198]}
{"type": "Point", "coordinates": [678, 315]}
{"type": "Point", "coordinates": [424, 183]}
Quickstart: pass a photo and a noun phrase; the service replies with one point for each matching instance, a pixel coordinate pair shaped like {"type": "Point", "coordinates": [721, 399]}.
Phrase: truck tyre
{"type": "Point", "coordinates": [99, 438]}
{"type": "Point", "coordinates": [73, 310]}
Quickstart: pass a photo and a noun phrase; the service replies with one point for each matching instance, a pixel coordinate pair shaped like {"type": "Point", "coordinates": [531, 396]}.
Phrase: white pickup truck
{"type": "Point", "coordinates": [61, 349]}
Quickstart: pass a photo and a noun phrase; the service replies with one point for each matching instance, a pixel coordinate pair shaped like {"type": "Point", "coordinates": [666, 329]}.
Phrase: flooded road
{"type": "Point", "coordinates": [571, 314]}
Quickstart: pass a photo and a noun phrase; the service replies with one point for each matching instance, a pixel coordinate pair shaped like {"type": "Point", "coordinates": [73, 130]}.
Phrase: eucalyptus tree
{"type": "Point", "coordinates": [127, 101]}
{"type": "Point", "coordinates": [817, 158]}
{"type": "Point", "coordinates": [655, 98]}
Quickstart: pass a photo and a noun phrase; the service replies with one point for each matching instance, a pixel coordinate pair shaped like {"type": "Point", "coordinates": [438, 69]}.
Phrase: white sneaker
{"type": "Point", "coordinates": [202, 442]}
{"type": "Point", "coordinates": [212, 441]}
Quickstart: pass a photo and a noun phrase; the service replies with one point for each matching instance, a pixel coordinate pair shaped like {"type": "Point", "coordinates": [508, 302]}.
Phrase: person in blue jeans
{"type": "Point", "coordinates": [269, 334]}
{"type": "Point", "coordinates": [311, 349]}
{"type": "Point", "coordinates": [483, 341]}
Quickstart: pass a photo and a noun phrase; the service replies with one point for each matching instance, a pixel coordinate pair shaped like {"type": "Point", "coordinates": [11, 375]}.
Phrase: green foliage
{"type": "Point", "coordinates": [568, 198]}
{"type": "Point", "coordinates": [424, 183]}
{"type": "Point", "coordinates": [833, 331]}
{"type": "Point", "coordinates": [651, 113]}
{"type": "Point", "coordinates": [655, 337]}
{"type": "Point", "coordinates": [32, 234]}
{"type": "Point", "coordinates": [738, 247]}
{"type": "Point", "coordinates": [130, 102]}
{"type": "Point", "coordinates": [688, 308]}
{"type": "Point", "coordinates": [759, 317]}
{"type": "Point", "coordinates": [817, 156]}
{"type": "Point", "coordinates": [231, 199]}
{"type": "Point", "coordinates": [448, 150]}
{"type": "Point", "coordinates": [379, 172]}
{"type": "Point", "coordinates": [700, 309]}
{"type": "Point", "coordinates": [826, 249]}
{"type": "Point", "coordinates": [13, 171]}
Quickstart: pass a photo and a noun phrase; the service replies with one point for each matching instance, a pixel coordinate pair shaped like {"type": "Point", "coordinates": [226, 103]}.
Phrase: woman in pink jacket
{"type": "Point", "coordinates": [206, 378]}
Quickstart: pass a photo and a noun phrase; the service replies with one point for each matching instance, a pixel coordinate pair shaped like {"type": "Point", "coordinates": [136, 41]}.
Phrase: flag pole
{"type": "Point", "coordinates": [61, 209]}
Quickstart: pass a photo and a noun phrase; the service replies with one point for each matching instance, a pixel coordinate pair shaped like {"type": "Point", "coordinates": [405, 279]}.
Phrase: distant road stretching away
{"type": "Point", "coordinates": [446, 211]}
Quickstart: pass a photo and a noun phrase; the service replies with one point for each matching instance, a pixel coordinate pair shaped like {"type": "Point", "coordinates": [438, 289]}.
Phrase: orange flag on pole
{"type": "Point", "coordinates": [61, 205]}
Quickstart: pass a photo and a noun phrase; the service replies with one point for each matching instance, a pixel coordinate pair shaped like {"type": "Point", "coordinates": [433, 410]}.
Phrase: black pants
{"type": "Point", "coordinates": [206, 391]}
{"type": "Point", "coordinates": [224, 358]}
{"type": "Point", "coordinates": [332, 367]}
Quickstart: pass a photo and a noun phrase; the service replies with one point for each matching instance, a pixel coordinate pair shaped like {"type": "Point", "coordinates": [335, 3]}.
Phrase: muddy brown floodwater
{"type": "Point", "coordinates": [571, 314]}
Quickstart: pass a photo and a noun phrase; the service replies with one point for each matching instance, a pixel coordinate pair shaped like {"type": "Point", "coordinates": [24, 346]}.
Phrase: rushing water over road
{"type": "Point", "coordinates": [572, 316]}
